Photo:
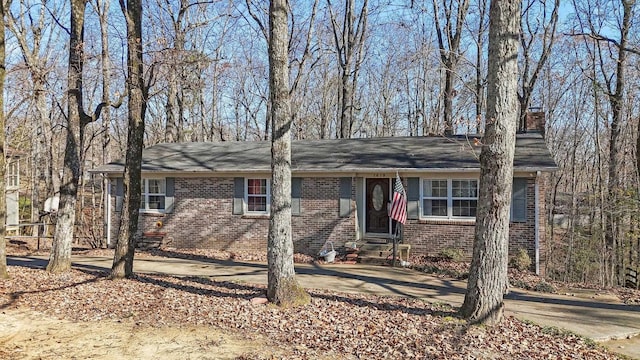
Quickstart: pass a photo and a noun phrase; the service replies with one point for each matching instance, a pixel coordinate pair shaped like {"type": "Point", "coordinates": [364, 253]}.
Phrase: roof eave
{"type": "Point", "coordinates": [318, 170]}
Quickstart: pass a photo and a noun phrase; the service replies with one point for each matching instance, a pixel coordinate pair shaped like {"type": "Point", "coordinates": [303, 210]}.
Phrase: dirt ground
{"type": "Point", "coordinates": [25, 334]}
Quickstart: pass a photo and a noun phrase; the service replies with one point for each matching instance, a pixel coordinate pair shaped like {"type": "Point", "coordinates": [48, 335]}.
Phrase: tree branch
{"type": "Point", "coordinates": [602, 38]}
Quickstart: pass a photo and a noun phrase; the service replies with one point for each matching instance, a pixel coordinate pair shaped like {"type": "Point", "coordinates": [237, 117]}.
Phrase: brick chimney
{"type": "Point", "coordinates": [535, 121]}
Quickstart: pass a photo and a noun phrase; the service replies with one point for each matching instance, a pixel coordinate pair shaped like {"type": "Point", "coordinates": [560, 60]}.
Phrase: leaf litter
{"type": "Point", "coordinates": [333, 325]}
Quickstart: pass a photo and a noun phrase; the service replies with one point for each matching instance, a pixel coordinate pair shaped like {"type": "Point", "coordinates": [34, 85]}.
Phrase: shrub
{"type": "Point", "coordinates": [520, 284]}
{"type": "Point", "coordinates": [545, 287]}
{"type": "Point", "coordinates": [451, 254]}
{"type": "Point", "coordinates": [521, 261]}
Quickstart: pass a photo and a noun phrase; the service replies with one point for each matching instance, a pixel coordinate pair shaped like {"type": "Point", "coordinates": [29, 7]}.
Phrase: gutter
{"type": "Point", "coordinates": [336, 171]}
{"type": "Point", "coordinates": [108, 209]}
{"type": "Point", "coordinates": [537, 222]}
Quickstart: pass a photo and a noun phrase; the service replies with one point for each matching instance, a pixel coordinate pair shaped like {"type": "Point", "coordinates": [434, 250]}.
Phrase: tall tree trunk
{"type": "Point", "coordinates": [349, 41]}
{"type": "Point", "coordinates": [125, 247]}
{"type": "Point", "coordinates": [282, 288]}
{"type": "Point", "coordinates": [616, 101]}
{"type": "Point", "coordinates": [3, 204]}
{"type": "Point", "coordinates": [488, 282]}
{"type": "Point", "coordinates": [171, 127]}
{"type": "Point", "coordinates": [29, 38]}
{"type": "Point", "coordinates": [449, 39]}
{"type": "Point", "coordinates": [479, 80]}
{"type": "Point", "coordinates": [548, 35]}
{"type": "Point", "coordinates": [102, 8]}
{"type": "Point", "coordinates": [77, 119]}
{"type": "Point", "coordinates": [448, 99]}
{"type": "Point", "coordinates": [42, 154]}
{"type": "Point", "coordinates": [60, 257]}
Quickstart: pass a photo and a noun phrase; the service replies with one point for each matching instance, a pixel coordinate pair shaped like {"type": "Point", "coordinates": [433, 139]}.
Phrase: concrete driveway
{"type": "Point", "coordinates": [595, 316]}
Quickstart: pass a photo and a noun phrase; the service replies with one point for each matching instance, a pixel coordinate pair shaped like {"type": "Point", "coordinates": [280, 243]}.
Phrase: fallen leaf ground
{"type": "Point", "coordinates": [198, 318]}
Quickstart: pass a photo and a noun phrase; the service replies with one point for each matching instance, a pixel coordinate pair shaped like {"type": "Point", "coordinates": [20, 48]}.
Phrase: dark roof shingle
{"type": "Point", "coordinates": [340, 156]}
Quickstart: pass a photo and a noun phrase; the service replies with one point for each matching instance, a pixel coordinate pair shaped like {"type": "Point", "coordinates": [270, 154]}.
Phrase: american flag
{"type": "Point", "coordinates": [399, 203]}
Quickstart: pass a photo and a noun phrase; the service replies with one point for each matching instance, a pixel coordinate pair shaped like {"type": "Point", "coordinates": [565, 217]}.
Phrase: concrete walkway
{"type": "Point", "coordinates": [595, 316]}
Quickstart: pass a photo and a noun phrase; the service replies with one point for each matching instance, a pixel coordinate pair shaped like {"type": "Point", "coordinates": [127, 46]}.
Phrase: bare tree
{"type": "Point", "coordinates": [304, 55]}
{"type": "Point", "coordinates": [488, 282]}
{"type": "Point", "coordinates": [3, 205]}
{"type": "Point", "coordinates": [282, 288]}
{"type": "Point", "coordinates": [137, 94]}
{"type": "Point", "coordinates": [449, 37]}
{"type": "Point", "coordinates": [31, 28]}
{"type": "Point", "coordinates": [102, 7]}
{"type": "Point", "coordinates": [537, 25]}
{"type": "Point", "coordinates": [349, 38]}
{"type": "Point", "coordinates": [480, 79]}
{"type": "Point", "coordinates": [77, 120]}
{"type": "Point", "coordinates": [611, 53]}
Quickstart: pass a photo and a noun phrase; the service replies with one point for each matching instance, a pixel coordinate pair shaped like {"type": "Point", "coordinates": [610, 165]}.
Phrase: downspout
{"type": "Point", "coordinates": [537, 222]}
{"type": "Point", "coordinates": [107, 201]}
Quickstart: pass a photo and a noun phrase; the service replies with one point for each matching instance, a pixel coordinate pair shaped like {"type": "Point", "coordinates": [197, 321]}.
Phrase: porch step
{"type": "Point", "coordinates": [375, 250]}
{"type": "Point", "coordinates": [381, 253]}
{"type": "Point", "coordinates": [375, 253]}
{"type": "Point", "coordinates": [377, 240]}
{"type": "Point", "coordinates": [150, 240]}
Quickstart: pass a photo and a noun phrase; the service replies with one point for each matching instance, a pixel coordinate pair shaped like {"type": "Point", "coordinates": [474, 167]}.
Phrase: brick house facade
{"type": "Point", "coordinates": [227, 208]}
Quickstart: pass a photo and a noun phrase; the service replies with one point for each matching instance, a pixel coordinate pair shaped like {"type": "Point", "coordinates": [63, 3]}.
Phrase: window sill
{"type": "Point", "coordinates": [151, 213]}
{"type": "Point", "coordinates": [444, 221]}
{"type": "Point", "coordinates": [255, 216]}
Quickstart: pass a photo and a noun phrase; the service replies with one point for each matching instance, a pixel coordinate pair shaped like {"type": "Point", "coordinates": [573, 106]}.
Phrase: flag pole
{"type": "Point", "coordinates": [398, 213]}
{"type": "Point", "coordinates": [395, 244]}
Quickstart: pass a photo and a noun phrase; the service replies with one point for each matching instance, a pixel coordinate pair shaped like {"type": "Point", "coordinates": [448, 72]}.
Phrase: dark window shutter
{"type": "Point", "coordinates": [169, 194]}
{"type": "Point", "coordinates": [238, 196]}
{"type": "Point", "coordinates": [296, 196]}
{"type": "Point", "coordinates": [413, 198]}
{"type": "Point", "coordinates": [519, 200]}
{"type": "Point", "coordinates": [345, 197]}
{"type": "Point", "coordinates": [119, 193]}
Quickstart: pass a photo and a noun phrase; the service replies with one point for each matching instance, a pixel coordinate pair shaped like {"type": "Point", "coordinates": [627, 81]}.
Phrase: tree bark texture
{"type": "Point", "coordinates": [282, 288]}
{"type": "Point", "coordinates": [60, 257]}
{"type": "Point", "coordinates": [615, 270]}
{"type": "Point", "coordinates": [102, 8]}
{"type": "Point", "coordinates": [479, 80]}
{"type": "Point", "coordinates": [3, 205]}
{"type": "Point", "coordinates": [488, 280]}
{"type": "Point", "coordinates": [126, 242]}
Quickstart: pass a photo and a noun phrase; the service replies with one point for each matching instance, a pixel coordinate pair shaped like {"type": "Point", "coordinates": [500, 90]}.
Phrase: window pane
{"type": "Point", "coordinates": [465, 208]}
{"type": "Point", "coordinates": [257, 186]}
{"type": "Point", "coordinates": [435, 188]}
{"type": "Point", "coordinates": [156, 202]}
{"type": "Point", "coordinates": [257, 203]}
{"type": "Point", "coordinates": [464, 188]}
{"type": "Point", "coordinates": [156, 186]}
{"type": "Point", "coordinates": [13, 168]}
{"type": "Point", "coordinates": [435, 207]}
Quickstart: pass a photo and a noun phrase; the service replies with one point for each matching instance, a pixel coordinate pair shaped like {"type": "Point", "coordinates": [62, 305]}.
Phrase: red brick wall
{"type": "Point", "coordinates": [202, 218]}
{"type": "Point", "coordinates": [429, 237]}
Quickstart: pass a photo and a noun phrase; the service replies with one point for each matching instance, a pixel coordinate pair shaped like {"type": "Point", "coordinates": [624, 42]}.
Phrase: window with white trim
{"type": "Point", "coordinates": [449, 198]}
{"type": "Point", "coordinates": [13, 174]}
{"type": "Point", "coordinates": [434, 199]}
{"type": "Point", "coordinates": [257, 196]}
{"type": "Point", "coordinates": [153, 195]}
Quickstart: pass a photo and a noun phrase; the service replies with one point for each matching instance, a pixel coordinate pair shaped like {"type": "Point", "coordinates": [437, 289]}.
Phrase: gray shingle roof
{"type": "Point", "coordinates": [433, 153]}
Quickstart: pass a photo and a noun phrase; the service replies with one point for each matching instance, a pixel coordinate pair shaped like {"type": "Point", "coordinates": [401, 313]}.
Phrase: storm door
{"type": "Point", "coordinates": [377, 199]}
